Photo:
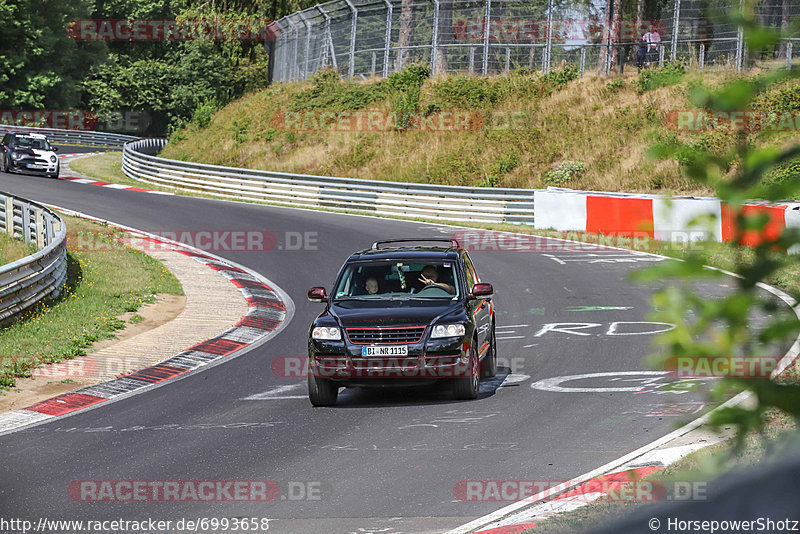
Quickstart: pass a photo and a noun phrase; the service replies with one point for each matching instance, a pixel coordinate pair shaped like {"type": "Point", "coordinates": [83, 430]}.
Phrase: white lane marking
{"type": "Point", "coordinates": [278, 393]}
{"type": "Point", "coordinates": [500, 327]}
{"type": "Point", "coordinates": [510, 337]}
{"type": "Point", "coordinates": [565, 328]}
{"type": "Point", "coordinates": [529, 346]}
{"type": "Point", "coordinates": [612, 330]}
{"type": "Point", "coordinates": [554, 384]}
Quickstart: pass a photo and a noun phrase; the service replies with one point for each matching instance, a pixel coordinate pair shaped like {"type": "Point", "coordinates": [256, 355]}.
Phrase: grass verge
{"type": "Point", "coordinates": [13, 249]}
{"type": "Point", "coordinates": [102, 283]}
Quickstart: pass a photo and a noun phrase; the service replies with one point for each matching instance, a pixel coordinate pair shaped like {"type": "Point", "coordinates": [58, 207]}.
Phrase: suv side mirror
{"type": "Point", "coordinates": [317, 294]}
{"type": "Point", "coordinates": [55, 148]}
{"type": "Point", "coordinates": [481, 290]}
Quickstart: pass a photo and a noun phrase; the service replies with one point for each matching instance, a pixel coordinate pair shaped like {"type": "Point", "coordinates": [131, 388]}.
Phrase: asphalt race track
{"type": "Point", "coordinates": [380, 461]}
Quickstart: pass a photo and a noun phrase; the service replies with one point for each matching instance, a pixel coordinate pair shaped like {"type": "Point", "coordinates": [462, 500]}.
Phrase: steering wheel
{"type": "Point", "coordinates": [431, 288]}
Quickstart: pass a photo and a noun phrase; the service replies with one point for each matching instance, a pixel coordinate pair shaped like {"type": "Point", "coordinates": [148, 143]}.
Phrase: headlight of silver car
{"type": "Point", "coordinates": [52, 159]}
{"type": "Point", "coordinates": [447, 330]}
{"type": "Point", "coordinates": [326, 333]}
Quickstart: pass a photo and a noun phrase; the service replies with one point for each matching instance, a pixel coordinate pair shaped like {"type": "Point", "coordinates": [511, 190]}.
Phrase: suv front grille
{"type": "Point", "coordinates": [383, 335]}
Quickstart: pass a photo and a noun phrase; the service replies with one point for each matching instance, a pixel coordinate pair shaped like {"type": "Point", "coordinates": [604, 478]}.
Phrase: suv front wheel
{"type": "Point", "coordinates": [322, 391]}
{"type": "Point", "coordinates": [466, 388]}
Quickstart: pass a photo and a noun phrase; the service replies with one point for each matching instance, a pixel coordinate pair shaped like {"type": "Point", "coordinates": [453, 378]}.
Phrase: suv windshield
{"type": "Point", "coordinates": [397, 279]}
{"type": "Point", "coordinates": [33, 142]}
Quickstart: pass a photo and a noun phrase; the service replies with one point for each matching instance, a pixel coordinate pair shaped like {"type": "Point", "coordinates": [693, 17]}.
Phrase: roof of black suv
{"type": "Point", "coordinates": [407, 250]}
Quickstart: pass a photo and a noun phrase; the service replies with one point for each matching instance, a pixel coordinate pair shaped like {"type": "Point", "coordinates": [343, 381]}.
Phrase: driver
{"type": "Point", "coordinates": [430, 277]}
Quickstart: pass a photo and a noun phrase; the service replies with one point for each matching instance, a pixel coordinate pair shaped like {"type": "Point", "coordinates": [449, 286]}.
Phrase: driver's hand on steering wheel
{"type": "Point", "coordinates": [426, 281]}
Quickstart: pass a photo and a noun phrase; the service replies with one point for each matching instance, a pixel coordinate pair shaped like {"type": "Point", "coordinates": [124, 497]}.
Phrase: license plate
{"type": "Point", "coordinates": [35, 166]}
{"type": "Point", "coordinates": [385, 350]}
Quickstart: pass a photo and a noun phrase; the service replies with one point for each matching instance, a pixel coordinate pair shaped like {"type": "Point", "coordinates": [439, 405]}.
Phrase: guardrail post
{"type": "Point", "coordinates": [40, 237]}
{"type": "Point", "coordinates": [26, 223]}
{"type": "Point", "coordinates": [9, 213]}
{"type": "Point", "coordinates": [388, 38]}
{"type": "Point", "coordinates": [353, 24]}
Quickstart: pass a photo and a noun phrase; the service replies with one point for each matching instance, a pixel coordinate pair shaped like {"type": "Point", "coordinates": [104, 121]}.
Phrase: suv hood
{"type": "Point", "coordinates": [406, 312]}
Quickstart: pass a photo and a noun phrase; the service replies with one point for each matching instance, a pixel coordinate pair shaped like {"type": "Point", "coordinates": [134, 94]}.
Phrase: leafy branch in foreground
{"type": "Point", "coordinates": [723, 328]}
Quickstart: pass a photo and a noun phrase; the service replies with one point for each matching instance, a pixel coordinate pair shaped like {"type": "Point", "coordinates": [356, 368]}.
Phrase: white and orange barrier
{"type": "Point", "coordinates": [659, 217]}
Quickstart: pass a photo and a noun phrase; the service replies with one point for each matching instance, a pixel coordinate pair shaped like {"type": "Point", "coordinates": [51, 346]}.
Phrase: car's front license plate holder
{"type": "Point", "coordinates": [35, 166]}
{"type": "Point", "coordinates": [384, 351]}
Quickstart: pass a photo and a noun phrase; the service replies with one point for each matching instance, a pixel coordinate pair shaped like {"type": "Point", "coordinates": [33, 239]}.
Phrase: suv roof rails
{"type": "Point", "coordinates": [453, 242]}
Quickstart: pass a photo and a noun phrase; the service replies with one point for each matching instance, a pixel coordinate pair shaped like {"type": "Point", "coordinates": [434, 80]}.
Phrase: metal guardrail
{"type": "Point", "coordinates": [25, 282]}
{"type": "Point", "coordinates": [441, 202]}
{"type": "Point", "coordinates": [74, 137]}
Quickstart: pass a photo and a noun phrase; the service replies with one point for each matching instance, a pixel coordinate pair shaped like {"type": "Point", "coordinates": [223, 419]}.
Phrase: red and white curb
{"type": "Point", "coordinates": [80, 154]}
{"type": "Point", "coordinates": [270, 310]}
{"type": "Point", "coordinates": [88, 181]}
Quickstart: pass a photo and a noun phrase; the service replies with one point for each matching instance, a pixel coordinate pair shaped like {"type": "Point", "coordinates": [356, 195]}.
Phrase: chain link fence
{"type": "Point", "coordinates": [368, 38]}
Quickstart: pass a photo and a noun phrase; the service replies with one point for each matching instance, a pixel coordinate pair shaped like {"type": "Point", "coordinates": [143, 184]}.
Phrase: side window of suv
{"type": "Point", "coordinates": [7, 139]}
{"type": "Point", "coordinates": [472, 277]}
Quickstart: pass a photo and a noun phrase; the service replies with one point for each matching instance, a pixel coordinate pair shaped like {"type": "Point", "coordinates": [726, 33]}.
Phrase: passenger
{"type": "Point", "coordinates": [430, 277]}
{"type": "Point", "coordinates": [371, 285]}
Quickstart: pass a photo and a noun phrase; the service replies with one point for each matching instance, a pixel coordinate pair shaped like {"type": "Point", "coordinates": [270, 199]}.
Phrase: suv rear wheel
{"type": "Point", "coordinates": [467, 388]}
{"type": "Point", "coordinates": [322, 391]}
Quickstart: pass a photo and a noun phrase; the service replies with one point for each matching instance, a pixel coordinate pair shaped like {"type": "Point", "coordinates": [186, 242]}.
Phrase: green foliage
{"type": "Point", "coordinates": [41, 67]}
{"type": "Point", "coordinates": [615, 85]}
{"type": "Point", "coordinates": [329, 93]}
{"type": "Point", "coordinates": [564, 173]}
{"type": "Point", "coordinates": [202, 114]}
{"type": "Point", "coordinates": [465, 92]}
{"type": "Point", "coordinates": [667, 74]}
{"type": "Point", "coordinates": [557, 78]}
{"type": "Point", "coordinates": [723, 327]}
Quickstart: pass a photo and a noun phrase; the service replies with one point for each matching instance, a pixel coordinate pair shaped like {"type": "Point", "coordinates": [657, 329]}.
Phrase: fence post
{"type": "Point", "coordinates": [354, 21]}
{"type": "Point", "coordinates": [435, 36]}
{"type": "Point", "coordinates": [308, 43]}
{"type": "Point", "coordinates": [676, 20]}
{"type": "Point", "coordinates": [293, 67]}
{"type": "Point", "coordinates": [739, 41]}
{"type": "Point", "coordinates": [610, 15]}
{"type": "Point", "coordinates": [789, 55]}
{"type": "Point", "coordinates": [9, 209]}
{"type": "Point", "coordinates": [548, 47]}
{"type": "Point", "coordinates": [39, 217]}
{"type": "Point", "coordinates": [328, 38]}
{"type": "Point", "coordinates": [472, 60]}
{"type": "Point", "coordinates": [701, 57]}
{"type": "Point", "coordinates": [486, 21]}
{"type": "Point", "coordinates": [388, 39]}
{"type": "Point", "coordinates": [508, 59]}
{"type": "Point", "coordinates": [583, 59]}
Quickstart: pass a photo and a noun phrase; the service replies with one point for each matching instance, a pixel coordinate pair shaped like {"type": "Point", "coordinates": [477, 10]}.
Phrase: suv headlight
{"type": "Point", "coordinates": [16, 155]}
{"type": "Point", "coordinates": [328, 333]}
{"type": "Point", "coordinates": [53, 159]}
{"type": "Point", "coordinates": [447, 330]}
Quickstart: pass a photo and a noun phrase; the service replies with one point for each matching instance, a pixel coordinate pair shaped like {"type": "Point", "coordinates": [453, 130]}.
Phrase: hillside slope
{"type": "Point", "coordinates": [522, 130]}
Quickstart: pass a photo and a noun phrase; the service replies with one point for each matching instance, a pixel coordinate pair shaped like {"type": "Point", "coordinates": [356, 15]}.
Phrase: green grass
{"type": "Point", "coordinates": [13, 249]}
{"type": "Point", "coordinates": [102, 284]}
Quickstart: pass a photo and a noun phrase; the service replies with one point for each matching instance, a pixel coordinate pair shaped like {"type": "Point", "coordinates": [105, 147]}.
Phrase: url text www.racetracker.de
{"type": "Point", "coordinates": [196, 525]}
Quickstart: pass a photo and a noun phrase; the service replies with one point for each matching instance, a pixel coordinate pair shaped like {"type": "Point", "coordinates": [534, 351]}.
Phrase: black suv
{"type": "Point", "coordinates": [22, 152]}
{"type": "Point", "coordinates": [403, 314]}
